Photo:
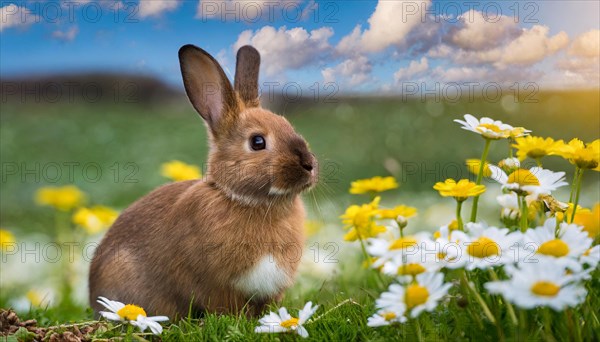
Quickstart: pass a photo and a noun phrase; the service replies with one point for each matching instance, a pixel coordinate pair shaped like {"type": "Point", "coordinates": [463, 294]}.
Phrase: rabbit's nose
{"type": "Point", "coordinates": [305, 158]}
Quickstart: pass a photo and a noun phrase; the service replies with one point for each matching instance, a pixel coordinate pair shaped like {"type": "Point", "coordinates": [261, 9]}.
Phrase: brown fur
{"type": "Point", "coordinates": [186, 243]}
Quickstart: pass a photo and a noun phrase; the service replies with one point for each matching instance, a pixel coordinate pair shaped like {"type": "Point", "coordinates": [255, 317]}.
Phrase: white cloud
{"type": "Point", "coordinates": [478, 32]}
{"type": "Point", "coordinates": [249, 10]}
{"type": "Point", "coordinates": [389, 25]}
{"type": "Point", "coordinates": [460, 74]}
{"type": "Point", "coordinates": [533, 45]}
{"type": "Point", "coordinates": [586, 45]}
{"type": "Point", "coordinates": [14, 16]}
{"type": "Point", "coordinates": [66, 36]}
{"type": "Point", "coordinates": [582, 67]}
{"type": "Point", "coordinates": [413, 69]}
{"type": "Point", "coordinates": [353, 71]}
{"type": "Point", "coordinates": [283, 49]}
{"type": "Point", "coordinates": [154, 8]}
{"type": "Point", "coordinates": [530, 46]}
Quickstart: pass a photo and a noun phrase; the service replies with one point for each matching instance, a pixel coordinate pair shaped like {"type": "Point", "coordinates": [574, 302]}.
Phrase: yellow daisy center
{"type": "Point", "coordinates": [290, 323]}
{"type": "Point", "coordinates": [131, 312]}
{"type": "Point", "coordinates": [523, 178]}
{"type": "Point", "coordinates": [416, 295]}
{"type": "Point", "coordinates": [491, 127]}
{"type": "Point", "coordinates": [556, 248]}
{"type": "Point", "coordinates": [388, 316]}
{"type": "Point", "coordinates": [483, 247]}
{"type": "Point", "coordinates": [545, 288]}
{"type": "Point", "coordinates": [411, 269]}
{"type": "Point", "coordinates": [404, 242]}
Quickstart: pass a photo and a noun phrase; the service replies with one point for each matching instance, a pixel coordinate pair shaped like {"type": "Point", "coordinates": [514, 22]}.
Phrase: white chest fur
{"type": "Point", "coordinates": [264, 279]}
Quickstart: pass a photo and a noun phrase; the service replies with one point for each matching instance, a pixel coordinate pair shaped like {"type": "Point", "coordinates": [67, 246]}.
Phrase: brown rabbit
{"type": "Point", "coordinates": [232, 240]}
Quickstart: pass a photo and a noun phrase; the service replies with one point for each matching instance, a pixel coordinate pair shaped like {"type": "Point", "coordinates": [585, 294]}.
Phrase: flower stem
{"type": "Point", "coordinates": [458, 216]}
{"type": "Point", "coordinates": [484, 307]}
{"type": "Point", "coordinates": [524, 213]}
{"type": "Point", "coordinates": [509, 307]}
{"type": "Point", "coordinates": [577, 191]}
{"type": "Point", "coordinates": [364, 251]}
{"type": "Point", "coordinates": [573, 184]}
{"type": "Point", "coordinates": [418, 330]}
{"type": "Point", "coordinates": [486, 149]}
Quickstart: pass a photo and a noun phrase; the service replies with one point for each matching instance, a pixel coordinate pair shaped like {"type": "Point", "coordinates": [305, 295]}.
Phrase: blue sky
{"type": "Point", "coordinates": [361, 46]}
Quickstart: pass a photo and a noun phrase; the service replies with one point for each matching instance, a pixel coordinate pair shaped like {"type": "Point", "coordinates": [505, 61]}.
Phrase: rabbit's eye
{"type": "Point", "coordinates": [258, 142]}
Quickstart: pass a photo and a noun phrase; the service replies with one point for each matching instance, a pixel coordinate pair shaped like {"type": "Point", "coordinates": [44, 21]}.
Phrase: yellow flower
{"type": "Point", "coordinates": [63, 198]}
{"type": "Point", "coordinates": [180, 171]}
{"type": "Point", "coordinates": [536, 147]}
{"type": "Point", "coordinates": [473, 166]}
{"type": "Point", "coordinates": [582, 155]}
{"type": "Point", "coordinates": [6, 238]}
{"type": "Point", "coordinates": [518, 132]}
{"type": "Point", "coordinates": [95, 219]}
{"type": "Point", "coordinates": [360, 220]}
{"type": "Point", "coordinates": [590, 220]}
{"type": "Point", "coordinates": [375, 184]}
{"type": "Point", "coordinates": [461, 190]}
{"type": "Point", "coordinates": [566, 215]}
{"type": "Point", "coordinates": [401, 210]}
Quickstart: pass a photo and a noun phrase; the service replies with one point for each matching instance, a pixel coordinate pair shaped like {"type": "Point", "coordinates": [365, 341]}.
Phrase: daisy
{"type": "Point", "coordinates": [487, 127]}
{"type": "Point", "coordinates": [535, 181]}
{"type": "Point", "coordinates": [284, 322]}
{"type": "Point", "coordinates": [133, 314]}
{"type": "Point", "coordinates": [360, 219]}
{"type": "Point", "coordinates": [422, 295]}
{"type": "Point", "coordinates": [407, 266]}
{"type": "Point", "coordinates": [584, 156]}
{"type": "Point", "coordinates": [448, 251]}
{"type": "Point", "coordinates": [473, 166]}
{"type": "Point", "coordinates": [540, 284]}
{"type": "Point", "coordinates": [373, 185]}
{"type": "Point", "coordinates": [509, 164]}
{"type": "Point", "coordinates": [510, 205]}
{"type": "Point", "coordinates": [383, 317]}
{"type": "Point", "coordinates": [459, 190]}
{"type": "Point", "coordinates": [591, 257]}
{"type": "Point", "coordinates": [485, 247]}
{"type": "Point", "coordinates": [384, 250]}
{"type": "Point", "coordinates": [564, 247]}
{"type": "Point", "coordinates": [535, 147]}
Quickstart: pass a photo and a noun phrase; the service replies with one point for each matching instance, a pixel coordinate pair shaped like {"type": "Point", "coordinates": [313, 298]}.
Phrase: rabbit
{"type": "Point", "coordinates": [229, 243]}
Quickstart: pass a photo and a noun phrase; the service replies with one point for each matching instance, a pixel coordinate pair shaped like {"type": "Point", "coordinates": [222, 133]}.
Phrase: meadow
{"type": "Point", "coordinates": [114, 152]}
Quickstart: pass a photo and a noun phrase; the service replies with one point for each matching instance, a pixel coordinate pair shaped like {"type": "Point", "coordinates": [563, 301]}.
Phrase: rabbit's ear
{"type": "Point", "coordinates": [246, 75]}
{"type": "Point", "coordinates": [208, 88]}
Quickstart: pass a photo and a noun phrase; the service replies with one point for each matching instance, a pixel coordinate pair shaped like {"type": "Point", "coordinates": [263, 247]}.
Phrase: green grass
{"type": "Point", "coordinates": [355, 138]}
{"type": "Point", "coordinates": [347, 301]}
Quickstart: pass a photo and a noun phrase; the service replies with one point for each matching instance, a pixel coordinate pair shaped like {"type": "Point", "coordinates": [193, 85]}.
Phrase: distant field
{"type": "Point", "coordinates": [354, 138]}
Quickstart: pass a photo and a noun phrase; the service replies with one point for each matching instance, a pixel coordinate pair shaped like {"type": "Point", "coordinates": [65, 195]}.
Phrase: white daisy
{"type": "Point", "coordinates": [488, 128]}
{"type": "Point", "coordinates": [384, 250]}
{"type": "Point", "coordinates": [386, 317]}
{"type": "Point", "coordinates": [448, 251]}
{"type": "Point", "coordinates": [284, 322]}
{"type": "Point", "coordinates": [509, 164]}
{"type": "Point", "coordinates": [591, 257]}
{"type": "Point", "coordinates": [422, 295]}
{"type": "Point", "coordinates": [510, 205]}
{"type": "Point", "coordinates": [485, 247]}
{"type": "Point", "coordinates": [407, 266]}
{"type": "Point", "coordinates": [535, 181]}
{"type": "Point", "coordinates": [564, 247]}
{"type": "Point", "coordinates": [133, 314]}
{"type": "Point", "coordinates": [541, 284]}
